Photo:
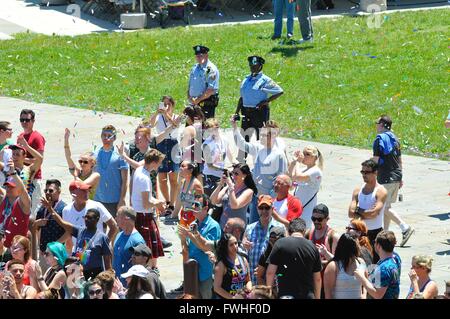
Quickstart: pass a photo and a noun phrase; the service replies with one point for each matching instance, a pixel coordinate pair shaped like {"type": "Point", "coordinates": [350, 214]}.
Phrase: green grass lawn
{"type": "Point", "coordinates": [334, 91]}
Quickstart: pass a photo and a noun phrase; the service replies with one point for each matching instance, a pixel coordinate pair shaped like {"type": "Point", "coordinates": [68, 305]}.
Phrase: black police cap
{"type": "Point", "coordinates": [254, 60]}
{"type": "Point", "coordinates": [200, 49]}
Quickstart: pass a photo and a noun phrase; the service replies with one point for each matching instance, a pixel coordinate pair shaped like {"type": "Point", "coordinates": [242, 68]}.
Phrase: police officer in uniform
{"type": "Point", "coordinates": [257, 91]}
{"type": "Point", "coordinates": [203, 87]}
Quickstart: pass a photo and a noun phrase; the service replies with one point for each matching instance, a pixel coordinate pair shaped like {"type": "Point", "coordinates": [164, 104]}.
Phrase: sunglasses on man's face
{"type": "Point", "coordinates": [25, 120]}
{"type": "Point", "coordinates": [363, 172]}
{"type": "Point", "coordinates": [83, 162]}
{"type": "Point", "coordinates": [317, 219]}
{"type": "Point", "coordinates": [95, 292]}
{"type": "Point", "coordinates": [49, 190]}
{"type": "Point", "coordinates": [7, 129]}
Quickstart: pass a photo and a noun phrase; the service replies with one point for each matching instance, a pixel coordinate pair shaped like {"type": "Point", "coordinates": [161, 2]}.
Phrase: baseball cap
{"type": "Point", "coordinates": [16, 147]}
{"type": "Point", "coordinates": [10, 184]}
{"type": "Point", "coordinates": [142, 249]}
{"type": "Point", "coordinates": [321, 209]}
{"type": "Point", "coordinates": [265, 199]}
{"type": "Point", "coordinates": [79, 185]}
{"type": "Point", "coordinates": [136, 270]}
{"type": "Point", "coordinates": [277, 232]}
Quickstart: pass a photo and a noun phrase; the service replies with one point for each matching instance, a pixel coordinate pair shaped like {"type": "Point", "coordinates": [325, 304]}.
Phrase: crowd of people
{"type": "Point", "coordinates": [253, 229]}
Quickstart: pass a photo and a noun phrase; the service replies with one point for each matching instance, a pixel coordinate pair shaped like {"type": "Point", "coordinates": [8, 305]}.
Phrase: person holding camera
{"type": "Point", "coordinates": [12, 286]}
{"type": "Point", "coordinates": [270, 160]}
{"type": "Point", "coordinates": [209, 229]}
{"type": "Point", "coordinates": [168, 171]}
{"type": "Point", "coordinates": [234, 193]}
{"type": "Point", "coordinates": [215, 151]}
{"type": "Point", "coordinates": [203, 87]}
{"type": "Point", "coordinates": [257, 91]}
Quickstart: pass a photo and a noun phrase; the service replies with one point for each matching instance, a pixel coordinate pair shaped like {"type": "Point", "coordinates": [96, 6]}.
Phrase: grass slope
{"type": "Point", "coordinates": [334, 91]}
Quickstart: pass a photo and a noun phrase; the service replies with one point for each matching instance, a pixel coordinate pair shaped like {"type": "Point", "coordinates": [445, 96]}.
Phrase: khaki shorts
{"type": "Point", "coordinates": [392, 193]}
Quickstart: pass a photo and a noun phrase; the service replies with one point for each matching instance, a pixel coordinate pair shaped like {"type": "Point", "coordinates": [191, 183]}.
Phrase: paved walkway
{"type": "Point", "coordinates": [426, 204]}
{"type": "Point", "coordinates": [21, 15]}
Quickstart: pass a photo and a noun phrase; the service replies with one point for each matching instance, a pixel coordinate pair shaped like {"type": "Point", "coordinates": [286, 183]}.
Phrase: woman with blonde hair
{"type": "Point", "coordinates": [84, 170]}
{"type": "Point", "coordinates": [421, 284]}
{"type": "Point", "coordinates": [308, 178]}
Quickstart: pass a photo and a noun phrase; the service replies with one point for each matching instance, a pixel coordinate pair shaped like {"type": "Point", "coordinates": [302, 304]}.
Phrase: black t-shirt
{"type": "Point", "coordinates": [296, 259]}
{"type": "Point", "coordinates": [265, 256]}
{"type": "Point", "coordinates": [389, 170]}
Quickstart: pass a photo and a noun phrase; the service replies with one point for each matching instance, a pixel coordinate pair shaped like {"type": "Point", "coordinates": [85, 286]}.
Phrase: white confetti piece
{"type": "Point", "coordinates": [417, 109]}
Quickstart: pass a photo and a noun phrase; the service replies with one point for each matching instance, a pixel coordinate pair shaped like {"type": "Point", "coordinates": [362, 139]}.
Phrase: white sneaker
{"type": "Point", "coordinates": [302, 41]}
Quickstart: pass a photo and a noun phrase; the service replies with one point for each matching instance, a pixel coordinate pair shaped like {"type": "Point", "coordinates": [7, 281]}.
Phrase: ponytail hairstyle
{"type": "Point", "coordinates": [316, 153]}
{"type": "Point", "coordinates": [248, 180]}
{"type": "Point", "coordinates": [363, 239]}
{"type": "Point", "coordinates": [193, 166]}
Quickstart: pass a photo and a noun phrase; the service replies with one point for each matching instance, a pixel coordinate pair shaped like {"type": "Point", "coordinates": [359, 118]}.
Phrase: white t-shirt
{"type": "Point", "coordinates": [214, 152]}
{"type": "Point", "coordinates": [306, 190]}
{"type": "Point", "coordinates": [367, 201]}
{"type": "Point", "coordinates": [76, 218]}
{"type": "Point", "coordinates": [141, 183]}
{"type": "Point", "coordinates": [281, 207]}
{"type": "Point", "coordinates": [162, 124]}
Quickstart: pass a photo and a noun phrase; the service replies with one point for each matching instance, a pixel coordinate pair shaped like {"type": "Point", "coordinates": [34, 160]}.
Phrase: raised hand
{"type": "Point", "coordinates": [66, 134]}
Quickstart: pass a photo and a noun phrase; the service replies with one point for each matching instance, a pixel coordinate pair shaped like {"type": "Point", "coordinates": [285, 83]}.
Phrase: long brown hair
{"type": "Point", "coordinates": [363, 239]}
{"type": "Point", "coordinates": [25, 242]}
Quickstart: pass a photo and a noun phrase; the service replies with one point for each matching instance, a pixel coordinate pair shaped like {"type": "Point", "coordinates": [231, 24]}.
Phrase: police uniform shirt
{"type": "Point", "coordinates": [203, 77]}
{"type": "Point", "coordinates": [256, 89]}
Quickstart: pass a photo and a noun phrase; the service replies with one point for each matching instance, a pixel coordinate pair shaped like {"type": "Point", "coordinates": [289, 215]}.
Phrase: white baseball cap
{"type": "Point", "coordinates": [137, 270]}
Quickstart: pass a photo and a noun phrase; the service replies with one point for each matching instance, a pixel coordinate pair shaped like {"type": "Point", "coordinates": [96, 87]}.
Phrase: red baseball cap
{"type": "Point", "coordinates": [10, 184]}
{"type": "Point", "coordinates": [79, 185]}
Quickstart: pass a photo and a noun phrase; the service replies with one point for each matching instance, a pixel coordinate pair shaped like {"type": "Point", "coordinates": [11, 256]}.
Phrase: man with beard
{"type": "Point", "coordinates": [322, 236]}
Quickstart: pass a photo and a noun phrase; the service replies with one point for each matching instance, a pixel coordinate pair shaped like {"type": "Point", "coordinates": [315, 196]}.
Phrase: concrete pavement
{"type": "Point", "coordinates": [69, 20]}
{"type": "Point", "coordinates": [426, 204]}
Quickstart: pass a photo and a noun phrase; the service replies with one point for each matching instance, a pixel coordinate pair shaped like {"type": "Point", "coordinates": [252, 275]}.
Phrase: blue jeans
{"type": "Point", "coordinates": [304, 19]}
{"type": "Point", "coordinates": [278, 6]}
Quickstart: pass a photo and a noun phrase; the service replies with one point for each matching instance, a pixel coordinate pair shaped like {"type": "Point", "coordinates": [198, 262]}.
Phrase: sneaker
{"type": "Point", "coordinates": [289, 35]}
{"type": "Point", "coordinates": [274, 37]}
{"type": "Point", "coordinates": [406, 235]}
{"type": "Point", "coordinates": [302, 41]}
{"type": "Point", "coordinates": [165, 243]}
{"type": "Point", "coordinates": [178, 290]}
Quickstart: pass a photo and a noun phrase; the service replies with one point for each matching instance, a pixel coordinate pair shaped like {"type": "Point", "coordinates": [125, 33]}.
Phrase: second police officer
{"type": "Point", "coordinates": [203, 89]}
{"type": "Point", "coordinates": [257, 91]}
